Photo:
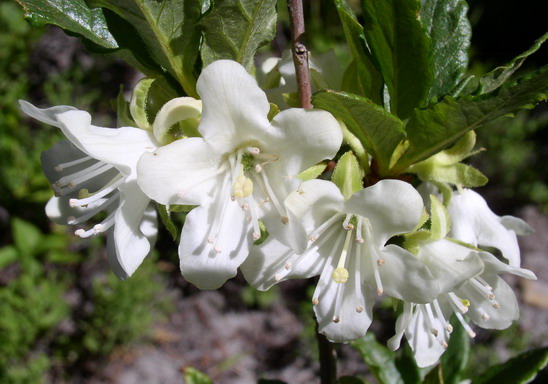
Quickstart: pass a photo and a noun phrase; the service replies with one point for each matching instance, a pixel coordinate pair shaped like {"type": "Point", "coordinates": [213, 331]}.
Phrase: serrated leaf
{"type": "Point", "coordinates": [455, 359]}
{"type": "Point", "coordinates": [447, 25]}
{"type": "Point", "coordinates": [26, 237]}
{"type": "Point", "coordinates": [121, 106]}
{"type": "Point", "coordinates": [379, 131]}
{"type": "Point", "coordinates": [435, 128]}
{"type": "Point", "coordinates": [235, 29]}
{"type": "Point", "coordinates": [361, 76]}
{"type": "Point", "coordinates": [193, 376]}
{"type": "Point", "coordinates": [378, 358]}
{"type": "Point", "coordinates": [71, 15]}
{"type": "Point", "coordinates": [168, 30]}
{"type": "Point", "coordinates": [401, 51]}
{"type": "Point", "coordinates": [348, 175]}
{"type": "Point", "coordinates": [499, 75]}
{"type": "Point", "coordinates": [440, 223]}
{"type": "Point", "coordinates": [518, 370]}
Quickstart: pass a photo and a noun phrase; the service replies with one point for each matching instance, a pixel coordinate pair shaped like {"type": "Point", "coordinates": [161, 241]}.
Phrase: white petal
{"type": "Point", "coordinates": [344, 310]}
{"type": "Point", "coordinates": [183, 172]}
{"type": "Point", "coordinates": [120, 147]}
{"type": "Point", "coordinates": [175, 110]}
{"type": "Point", "coordinates": [235, 109]}
{"type": "Point", "coordinates": [46, 115]}
{"type": "Point", "coordinates": [517, 225]}
{"type": "Point", "coordinates": [450, 263]}
{"type": "Point", "coordinates": [494, 266]}
{"type": "Point", "coordinates": [473, 222]}
{"type": "Point", "coordinates": [404, 276]}
{"type": "Point", "coordinates": [391, 206]}
{"type": "Point", "coordinates": [402, 322]}
{"type": "Point", "coordinates": [426, 348]}
{"type": "Point", "coordinates": [303, 138]}
{"type": "Point", "coordinates": [201, 264]}
{"type": "Point", "coordinates": [132, 245]}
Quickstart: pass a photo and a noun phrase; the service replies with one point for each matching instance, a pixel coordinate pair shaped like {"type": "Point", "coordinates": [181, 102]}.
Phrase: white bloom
{"type": "Point", "coordinates": [347, 247]}
{"type": "Point", "coordinates": [94, 172]}
{"type": "Point", "coordinates": [485, 298]}
{"type": "Point", "coordinates": [474, 223]}
{"type": "Point", "coordinates": [239, 172]}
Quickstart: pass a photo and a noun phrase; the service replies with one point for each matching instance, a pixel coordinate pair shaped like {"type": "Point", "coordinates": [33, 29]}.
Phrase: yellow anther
{"type": "Point", "coordinates": [340, 275]}
{"type": "Point", "coordinates": [242, 187]}
{"type": "Point", "coordinates": [465, 302]}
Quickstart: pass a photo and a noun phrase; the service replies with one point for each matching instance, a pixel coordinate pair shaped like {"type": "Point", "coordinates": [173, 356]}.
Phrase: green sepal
{"type": "Point", "coordinates": [440, 223]}
{"type": "Point", "coordinates": [348, 175]}
{"type": "Point", "coordinates": [414, 240]}
{"type": "Point", "coordinates": [138, 103]}
{"type": "Point", "coordinates": [160, 92]}
{"type": "Point", "coordinates": [274, 110]}
{"type": "Point", "coordinates": [264, 234]}
{"type": "Point", "coordinates": [166, 220]}
{"type": "Point", "coordinates": [312, 172]}
{"type": "Point", "coordinates": [123, 115]}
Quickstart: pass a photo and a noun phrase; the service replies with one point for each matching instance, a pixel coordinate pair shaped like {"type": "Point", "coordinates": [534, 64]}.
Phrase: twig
{"type": "Point", "coordinates": [328, 359]}
{"type": "Point", "coordinates": [300, 53]}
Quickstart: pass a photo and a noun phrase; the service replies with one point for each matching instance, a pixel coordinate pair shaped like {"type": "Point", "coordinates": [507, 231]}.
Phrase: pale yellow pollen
{"type": "Point", "coordinates": [359, 309]}
{"type": "Point", "coordinates": [340, 275]}
{"type": "Point", "coordinates": [315, 301]}
{"type": "Point", "coordinates": [465, 302]}
{"type": "Point", "coordinates": [380, 262]}
{"type": "Point", "coordinates": [242, 187]}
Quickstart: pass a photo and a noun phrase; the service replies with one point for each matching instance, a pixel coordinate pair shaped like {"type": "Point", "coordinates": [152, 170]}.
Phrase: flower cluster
{"type": "Point", "coordinates": [242, 170]}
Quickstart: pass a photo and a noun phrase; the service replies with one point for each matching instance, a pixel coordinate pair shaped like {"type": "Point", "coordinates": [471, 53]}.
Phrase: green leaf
{"type": "Point", "coordinates": [8, 255]}
{"type": "Point", "coordinates": [348, 175]}
{"type": "Point", "coordinates": [405, 362]}
{"type": "Point", "coordinates": [73, 16]}
{"type": "Point", "coordinates": [435, 128]}
{"type": "Point", "coordinates": [378, 358]}
{"type": "Point", "coordinates": [193, 376]}
{"type": "Point", "coordinates": [121, 106]}
{"type": "Point", "coordinates": [26, 237]}
{"type": "Point", "coordinates": [166, 220]}
{"type": "Point", "coordinates": [401, 51]}
{"type": "Point", "coordinates": [520, 369]}
{"type": "Point", "coordinates": [351, 380]}
{"type": "Point", "coordinates": [235, 29]}
{"type": "Point", "coordinates": [379, 131]}
{"type": "Point", "coordinates": [449, 29]}
{"type": "Point", "coordinates": [500, 75]}
{"type": "Point", "coordinates": [361, 77]}
{"type": "Point", "coordinates": [435, 376]}
{"type": "Point", "coordinates": [312, 172]}
{"type": "Point", "coordinates": [455, 358]}
{"type": "Point", "coordinates": [168, 30]}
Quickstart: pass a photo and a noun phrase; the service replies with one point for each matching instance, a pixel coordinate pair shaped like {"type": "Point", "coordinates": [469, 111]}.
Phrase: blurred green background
{"type": "Point", "coordinates": [63, 313]}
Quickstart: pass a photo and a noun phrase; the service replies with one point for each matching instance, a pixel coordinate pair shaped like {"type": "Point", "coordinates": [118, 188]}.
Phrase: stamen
{"type": "Point", "coordinates": [441, 318]}
{"type": "Point", "coordinates": [254, 217]}
{"type": "Point", "coordinates": [315, 301]}
{"type": "Point", "coordinates": [98, 228]}
{"type": "Point", "coordinates": [253, 150]}
{"type": "Point", "coordinates": [485, 283]}
{"type": "Point", "coordinates": [340, 274]}
{"type": "Point", "coordinates": [114, 184]}
{"type": "Point", "coordinates": [272, 196]}
{"type": "Point", "coordinates": [346, 223]}
{"type": "Point", "coordinates": [465, 325]}
{"type": "Point", "coordinates": [359, 238]}
{"type": "Point", "coordinates": [373, 256]}
{"type": "Point", "coordinates": [430, 319]}
{"type": "Point", "coordinates": [219, 217]}
{"type": "Point", "coordinates": [94, 210]}
{"type": "Point", "coordinates": [68, 164]}
{"type": "Point", "coordinates": [85, 174]}
{"type": "Point", "coordinates": [482, 289]}
{"type": "Point", "coordinates": [318, 231]}
{"type": "Point", "coordinates": [483, 314]}
{"type": "Point", "coordinates": [456, 303]}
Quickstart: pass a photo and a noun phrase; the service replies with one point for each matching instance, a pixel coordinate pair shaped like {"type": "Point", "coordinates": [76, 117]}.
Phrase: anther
{"type": "Point", "coordinates": [336, 319]}
{"type": "Point", "coordinates": [284, 219]}
{"type": "Point", "coordinates": [253, 150]}
{"type": "Point", "coordinates": [359, 309]}
{"type": "Point", "coordinates": [258, 168]}
{"type": "Point", "coordinates": [315, 301]}
{"type": "Point", "coordinates": [380, 291]}
{"type": "Point", "coordinates": [288, 266]}
{"type": "Point", "coordinates": [256, 235]}
{"type": "Point", "coordinates": [380, 262]}
{"type": "Point", "coordinates": [217, 249]}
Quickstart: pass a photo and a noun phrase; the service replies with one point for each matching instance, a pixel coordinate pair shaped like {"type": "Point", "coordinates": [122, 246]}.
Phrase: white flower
{"type": "Point", "coordinates": [347, 247]}
{"type": "Point", "coordinates": [485, 298]}
{"type": "Point", "coordinates": [94, 172]}
{"type": "Point", "coordinates": [239, 172]}
{"type": "Point", "coordinates": [474, 223]}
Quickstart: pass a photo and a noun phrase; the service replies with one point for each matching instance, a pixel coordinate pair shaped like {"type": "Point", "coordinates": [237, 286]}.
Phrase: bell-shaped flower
{"type": "Point", "coordinates": [347, 247]}
{"type": "Point", "coordinates": [238, 173]}
{"type": "Point", "coordinates": [486, 299]}
{"type": "Point", "coordinates": [96, 171]}
{"type": "Point", "coordinates": [474, 223]}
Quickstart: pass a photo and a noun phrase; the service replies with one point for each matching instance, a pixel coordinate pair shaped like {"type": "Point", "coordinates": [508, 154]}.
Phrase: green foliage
{"type": "Point", "coordinates": [455, 359]}
{"type": "Point", "coordinates": [401, 51]}
{"type": "Point", "coordinates": [235, 29]}
{"type": "Point", "coordinates": [379, 131]}
{"type": "Point", "coordinates": [348, 175]}
{"type": "Point", "coordinates": [447, 25]}
{"type": "Point", "coordinates": [518, 370]}
{"type": "Point", "coordinates": [378, 358]}
{"type": "Point", "coordinates": [193, 376]}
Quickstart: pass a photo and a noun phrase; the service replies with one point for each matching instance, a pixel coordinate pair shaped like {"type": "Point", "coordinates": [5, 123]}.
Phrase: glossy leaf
{"type": "Point", "coordinates": [73, 16]}
{"type": "Point", "coordinates": [379, 131]}
{"type": "Point", "coordinates": [361, 77]}
{"type": "Point", "coordinates": [401, 51]}
{"type": "Point", "coordinates": [518, 370]}
{"type": "Point", "coordinates": [435, 128]}
{"type": "Point", "coordinates": [235, 29]}
{"type": "Point", "coordinates": [378, 358]}
{"type": "Point", "coordinates": [168, 30]}
{"type": "Point", "coordinates": [447, 25]}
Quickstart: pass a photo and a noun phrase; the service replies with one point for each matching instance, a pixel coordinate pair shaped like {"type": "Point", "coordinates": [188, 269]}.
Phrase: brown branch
{"type": "Point", "coordinates": [300, 53]}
